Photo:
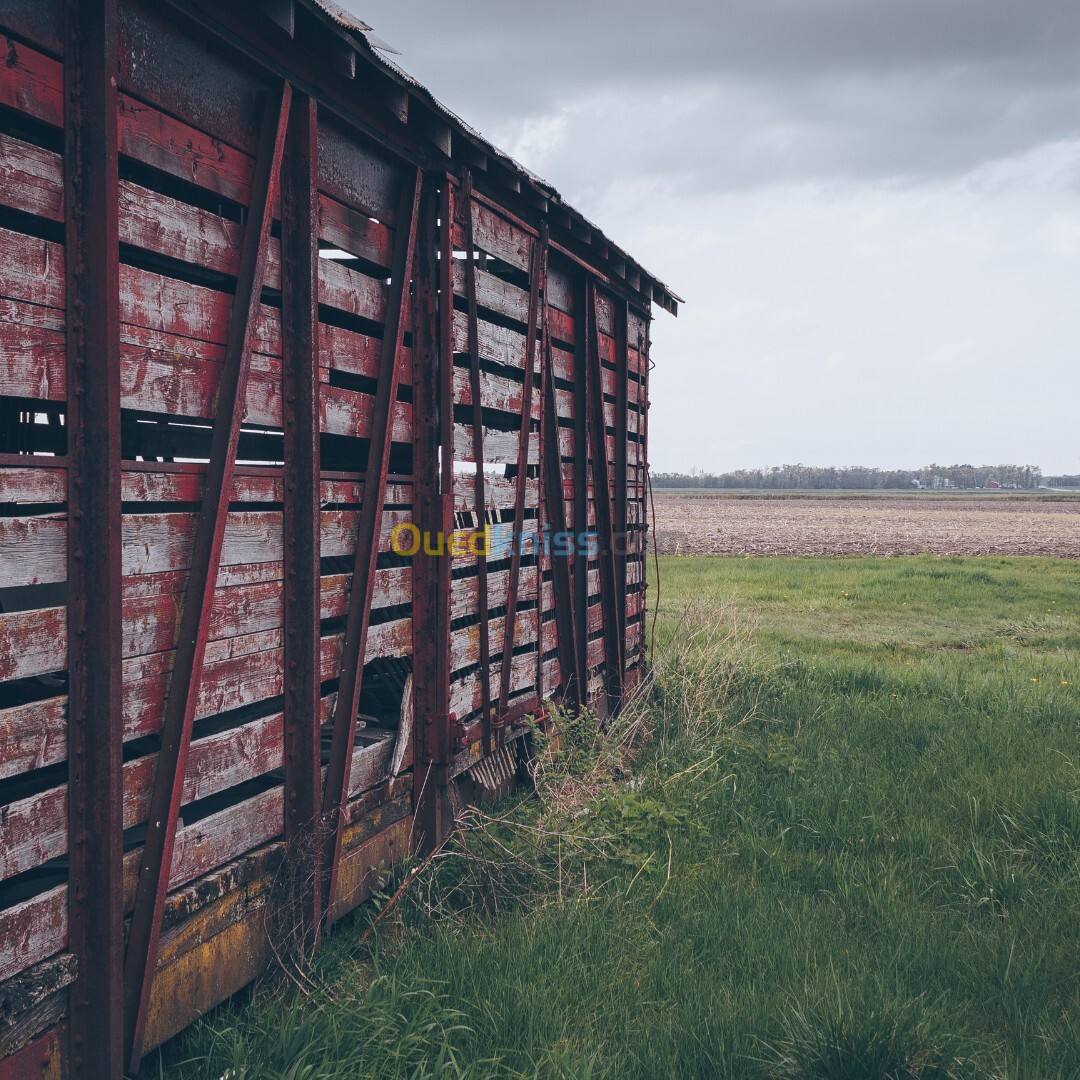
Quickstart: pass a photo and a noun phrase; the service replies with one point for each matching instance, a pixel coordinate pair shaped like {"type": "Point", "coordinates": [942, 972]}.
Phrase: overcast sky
{"type": "Point", "coordinates": [871, 207]}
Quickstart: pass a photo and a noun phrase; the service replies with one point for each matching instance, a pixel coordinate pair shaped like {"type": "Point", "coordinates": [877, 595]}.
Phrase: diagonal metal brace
{"type": "Point", "coordinates": [156, 863]}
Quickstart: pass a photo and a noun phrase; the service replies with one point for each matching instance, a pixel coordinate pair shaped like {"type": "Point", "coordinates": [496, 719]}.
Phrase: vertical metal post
{"type": "Point", "coordinates": [643, 466]}
{"type": "Point", "coordinates": [613, 646]}
{"type": "Point", "coordinates": [156, 863]}
{"type": "Point", "coordinates": [466, 211]}
{"type": "Point", "coordinates": [300, 417]}
{"type": "Point", "coordinates": [621, 535]}
{"type": "Point", "coordinates": [581, 486]}
{"type": "Point", "coordinates": [555, 504]}
{"type": "Point", "coordinates": [537, 296]}
{"type": "Point", "coordinates": [95, 785]}
{"type": "Point", "coordinates": [429, 607]}
{"type": "Point", "coordinates": [542, 518]}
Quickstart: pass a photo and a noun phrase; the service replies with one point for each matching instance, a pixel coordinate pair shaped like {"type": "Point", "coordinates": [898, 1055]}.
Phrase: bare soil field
{"type": "Point", "coordinates": [865, 525]}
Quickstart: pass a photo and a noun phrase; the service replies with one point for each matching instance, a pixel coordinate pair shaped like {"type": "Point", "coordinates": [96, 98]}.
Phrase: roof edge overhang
{"type": "Point", "coordinates": [354, 55]}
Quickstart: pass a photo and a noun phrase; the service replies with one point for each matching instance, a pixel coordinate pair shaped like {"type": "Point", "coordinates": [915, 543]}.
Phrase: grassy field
{"type": "Point", "coordinates": [851, 848]}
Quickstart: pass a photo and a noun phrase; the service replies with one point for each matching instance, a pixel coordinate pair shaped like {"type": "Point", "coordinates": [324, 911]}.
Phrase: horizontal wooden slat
{"type": "Point", "coordinates": [465, 643]}
{"type": "Point", "coordinates": [500, 447]}
{"type": "Point", "coordinates": [494, 294]}
{"type": "Point", "coordinates": [32, 484]}
{"type": "Point", "coordinates": [500, 493]}
{"type": "Point", "coordinates": [465, 693]}
{"type": "Point", "coordinates": [33, 550]}
{"type": "Point", "coordinates": [497, 236]}
{"type": "Point", "coordinates": [496, 392]}
{"type": "Point", "coordinates": [496, 344]}
{"type": "Point", "coordinates": [32, 930]}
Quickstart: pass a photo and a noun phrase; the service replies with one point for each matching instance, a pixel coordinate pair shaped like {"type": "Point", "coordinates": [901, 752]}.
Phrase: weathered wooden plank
{"type": "Point", "coordinates": [496, 344]}
{"type": "Point", "coordinates": [32, 351]}
{"type": "Point", "coordinates": [183, 482]}
{"type": "Point", "coordinates": [465, 643]}
{"type": "Point", "coordinates": [494, 234]}
{"type": "Point", "coordinates": [496, 392]}
{"type": "Point", "coordinates": [32, 930]}
{"type": "Point", "coordinates": [31, 179]}
{"type": "Point", "coordinates": [32, 484]}
{"type": "Point", "coordinates": [464, 595]}
{"type": "Point", "coordinates": [32, 82]}
{"type": "Point", "coordinates": [33, 735]}
{"type": "Point", "coordinates": [168, 144]}
{"type": "Point", "coordinates": [33, 182]}
{"type": "Point", "coordinates": [494, 294]}
{"type": "Point", "coordinates": [356, 174]}
{"type": "Point", "coordinates": [239, 672]}
{"type": "Point", "coordinates": [32, 642]}
{"type": "Point", "coordinates": [354, 232]}
{"type": "Point", "coordinates": [465, 693]}
{"type": "Point", "coordinates": [499, 493]}
{"type": "Point", "coordinates": [500, 447]}
{"type": "Point", "coordinates": [154, 543]}
{"type": "Point", "coordinates": [36, 928]}
{"type": "Point", "coordinates": [34, 830]}
{"type": "Point", "coordinates": [21, 999]}
{"type": "Point", "coordinates": [33, 550]}
{"type": "Point", "coordinates": [361, 869]}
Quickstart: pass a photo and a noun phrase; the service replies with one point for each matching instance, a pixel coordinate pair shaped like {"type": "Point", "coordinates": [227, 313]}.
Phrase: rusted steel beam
{"type": "Point", "coordinates": [300, 480]}
{"type": "Point", "coordinates": [537, 296]}
{"type": "Point", "coordinates": [466, 211]}
{"type": "Point", "coordinates": [555, 506]}
{"type": "Point", "coordinates": [582, 297]}
{"type": "Point", "coordinates": [354, 643]}
{"type": "Point", "coordinates": [643, 470]}
{"type": "Point", "coordinates": [430, 622]}
{"type": "Point", "coordinates": [156, 861]}
{"type": "Point", "coordinates": [442, 719]}
{"type": "Point", "coordinates": [622, 319]}
{"type": "Point", "coordinates": [95, 785]}
{"type": "Point", "coordinates": [541, 504]}
{"type": "Point", "coordinates": [613, 644]}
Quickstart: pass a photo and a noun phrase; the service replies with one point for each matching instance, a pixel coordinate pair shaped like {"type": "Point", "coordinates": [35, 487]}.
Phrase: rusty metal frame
{"type": "Point", "coordinates": [430, 608]}
{"type": "Point", "coordinates": [555, 506]}
{"type": "Point", "coordinates": [622, 322]}
{"type": "Point", "coordinates": [442, 720]}
{"type": "Point", "coordinates": [300, 480]}
{"type": "Point", "coordinates": [354, 643]}
{"type": "Point", "coordinates": [582, 297]}
{"type": "Point", "coordinates": [537, 296]}
{"type": "Point", "coordinates": [94, 569]}
{"type": "Point", "coordinates": [156, 862]}
{"type": "Point", "coordinates": [613, 647]}
{"type": "Point", "coordinates": [543, 554]}
{"type": "Point", "coordinates": [479, 497]}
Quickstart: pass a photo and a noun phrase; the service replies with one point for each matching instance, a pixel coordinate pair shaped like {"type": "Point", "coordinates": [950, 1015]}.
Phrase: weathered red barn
{"type": "Point", "coordinates": [262, 299]}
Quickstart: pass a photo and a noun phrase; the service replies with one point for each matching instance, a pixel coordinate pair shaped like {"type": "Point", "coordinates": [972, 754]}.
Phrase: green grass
{"type": "Point", "coordinates": [876, 874]}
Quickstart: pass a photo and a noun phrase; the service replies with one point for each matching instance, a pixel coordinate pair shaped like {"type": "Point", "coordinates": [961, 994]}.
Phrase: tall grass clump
{"type": "Point", "coordinates": [835, 834]}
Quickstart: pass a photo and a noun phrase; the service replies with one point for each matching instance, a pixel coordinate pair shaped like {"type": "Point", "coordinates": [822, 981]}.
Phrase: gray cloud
{"type": "Point", "coordinates": [766, 88]}
{"type": "Point", "coordinates": [872, 207]}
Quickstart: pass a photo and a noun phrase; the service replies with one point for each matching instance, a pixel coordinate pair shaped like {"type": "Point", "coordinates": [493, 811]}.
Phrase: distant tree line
{"type": "Point", "coordinates": [1064, 481]}
{"type": "Point", "coordinates": [863, 478]}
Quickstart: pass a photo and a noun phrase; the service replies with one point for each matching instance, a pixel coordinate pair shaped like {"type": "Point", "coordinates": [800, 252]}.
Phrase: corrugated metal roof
{"type": "Point", "coordinates": [349, 21]}
{"type": "Point", "coordinates": [376, 50]}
